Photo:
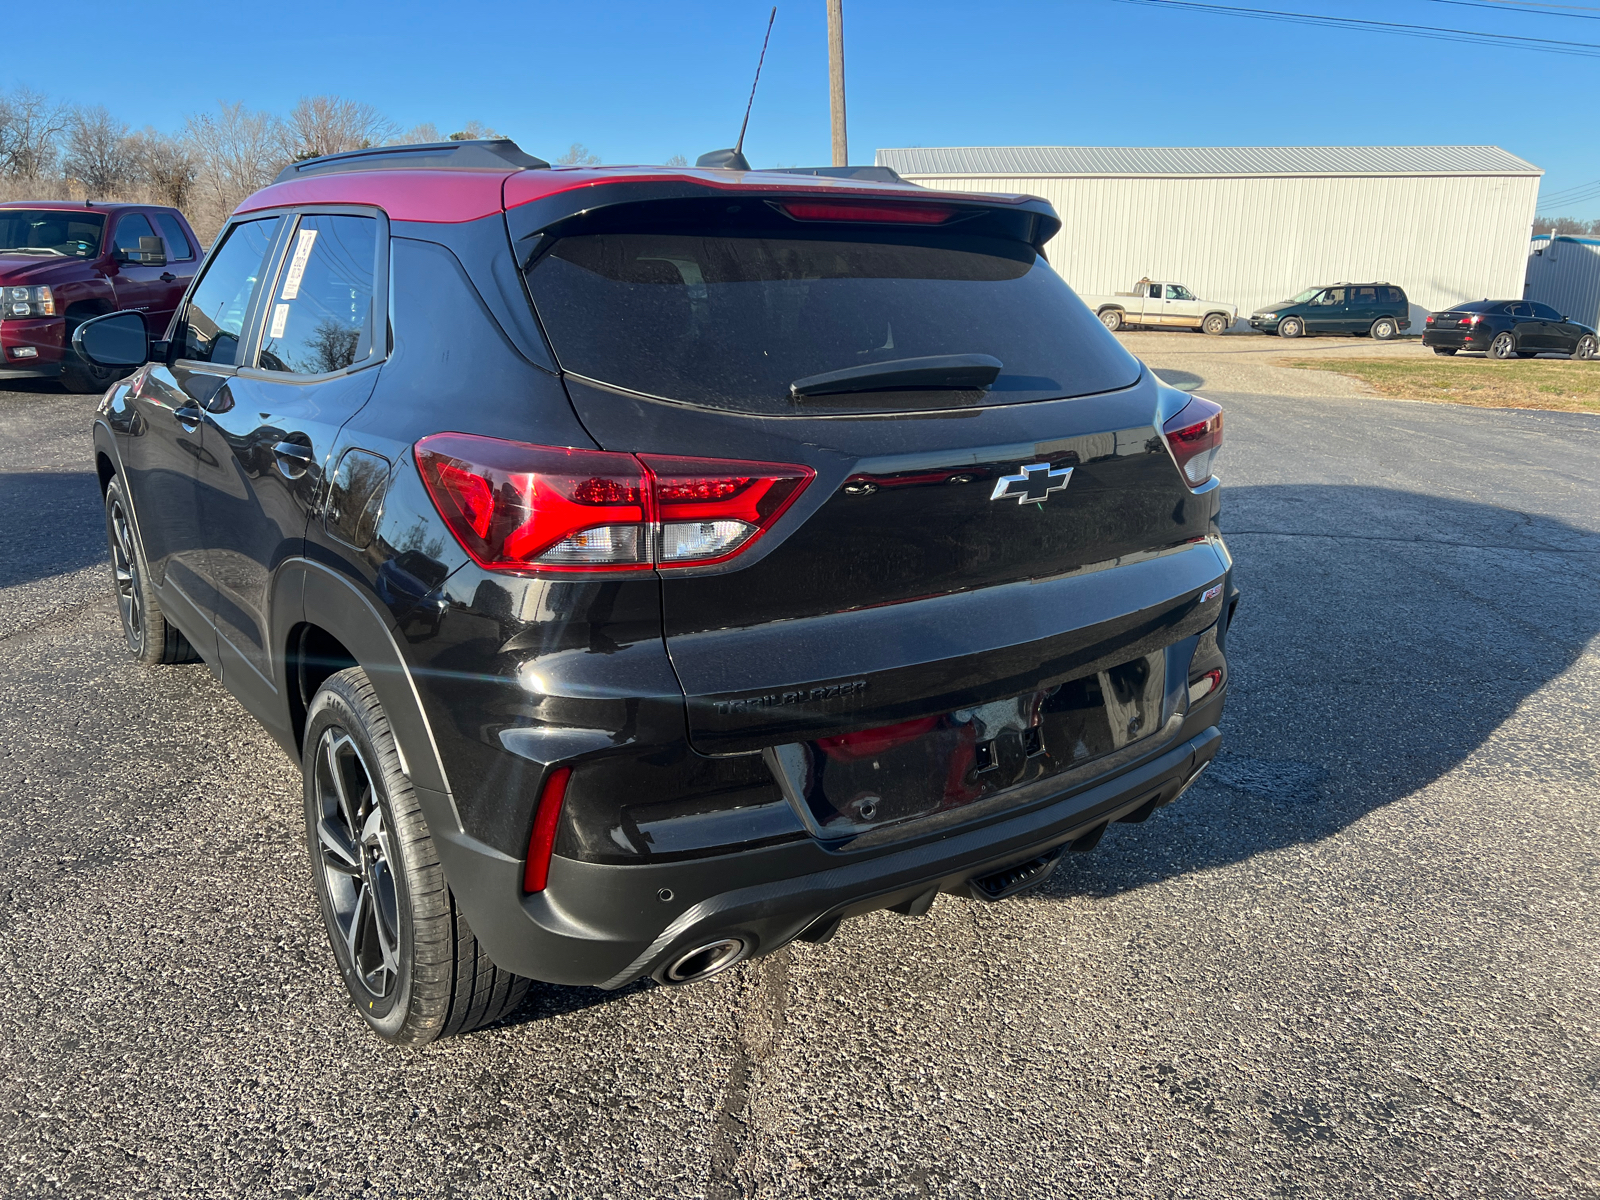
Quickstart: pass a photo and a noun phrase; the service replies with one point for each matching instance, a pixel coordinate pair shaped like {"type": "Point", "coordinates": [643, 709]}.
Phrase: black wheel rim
{"type": "Point", "coordinates": [355, 853]}
{"type": "Point", "coordinates": [125, 574]}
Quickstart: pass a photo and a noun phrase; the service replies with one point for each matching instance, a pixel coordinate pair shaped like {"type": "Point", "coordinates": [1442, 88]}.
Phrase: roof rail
{"type": "Point", "coordinates": [427, 156]}
{"type": "Point", "coordinates": [874, 174]}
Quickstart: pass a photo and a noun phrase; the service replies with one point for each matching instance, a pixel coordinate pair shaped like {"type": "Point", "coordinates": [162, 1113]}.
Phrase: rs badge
{"type": "Point", "coordinates": [1031, 484]}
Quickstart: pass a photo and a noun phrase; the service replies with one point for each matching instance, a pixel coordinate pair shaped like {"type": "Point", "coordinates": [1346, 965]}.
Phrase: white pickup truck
{"type": "Point", "coordinates": [1163, 305]}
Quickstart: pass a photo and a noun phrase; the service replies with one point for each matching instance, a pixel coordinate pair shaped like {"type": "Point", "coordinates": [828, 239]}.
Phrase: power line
{"type": "Point", "coordinates": [1431, 33]}
{"type": "Point", "coordinates": [1564, 194]}
{"type": "Point", "coordinates": [1523, 10]}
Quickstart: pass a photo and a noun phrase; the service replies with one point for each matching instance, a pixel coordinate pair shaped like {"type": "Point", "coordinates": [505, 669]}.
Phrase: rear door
{"type": "Point", "coordinates": [1362, 308]}
{"type": "Point", "coordinates": [270, 432]}
{"type": "Point", "coordinates": [1554, 333]}
{"type": "Point", "coordinates": [138, 286]}
{"type": "Point", "coordinates": [957, 548]}
{"type": "Point", "coordinates": [182, 255]}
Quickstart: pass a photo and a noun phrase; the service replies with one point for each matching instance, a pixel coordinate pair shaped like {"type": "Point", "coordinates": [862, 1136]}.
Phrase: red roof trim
{"type": "Point", "coordinates": [448, 197]}
{"type": "Point", "coordinates": [451, 197]}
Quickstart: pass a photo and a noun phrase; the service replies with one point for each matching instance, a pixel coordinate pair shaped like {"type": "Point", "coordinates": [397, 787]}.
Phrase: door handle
{"type": "Point", "coordinates": [167, 277]}
{"type": "Point", "coordinates": [294, 458]}
{"type": "Point", "coordinates": [188, 416]}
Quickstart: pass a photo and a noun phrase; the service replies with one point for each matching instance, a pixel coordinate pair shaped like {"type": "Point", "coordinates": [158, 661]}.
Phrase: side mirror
{"type": "Point", "coordinates": [117, 340]}
{"type": "Point", "coordinates": [150, 253]}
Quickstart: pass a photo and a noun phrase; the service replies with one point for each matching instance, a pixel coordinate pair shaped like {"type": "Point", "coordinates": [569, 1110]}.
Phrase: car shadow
{"type": "Point", "coordinates": [1382, 637]}
{"type": "Point", "coordinates": [53, 524]}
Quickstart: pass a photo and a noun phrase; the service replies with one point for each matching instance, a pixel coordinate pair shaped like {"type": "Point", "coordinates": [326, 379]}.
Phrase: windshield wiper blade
{"type": "Point", "coordinates": [932, 371]}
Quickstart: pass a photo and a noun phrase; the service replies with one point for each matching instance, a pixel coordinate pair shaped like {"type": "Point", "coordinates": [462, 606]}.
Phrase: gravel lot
{"type": "Point", "coordinates": [1359, 960]}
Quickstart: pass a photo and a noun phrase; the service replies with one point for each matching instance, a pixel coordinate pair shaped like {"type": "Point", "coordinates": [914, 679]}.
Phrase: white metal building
{"type": "Point", "coordinates": [1254, 224]}
{"type": "Point", "coordinates": [1564, 272]}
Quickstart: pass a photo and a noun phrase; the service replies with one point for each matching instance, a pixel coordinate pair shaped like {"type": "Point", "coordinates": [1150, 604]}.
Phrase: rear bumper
{"type": "Point", "coordinates": [1453, 339]}
{"type": "Point", "coordinates": [607, 925]}
{"type": "Point", "coordinates": [32, 349]}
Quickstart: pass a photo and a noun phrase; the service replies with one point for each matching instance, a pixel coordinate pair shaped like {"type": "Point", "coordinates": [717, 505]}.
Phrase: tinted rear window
{"type": "Point", "coordinates": [730, 319]}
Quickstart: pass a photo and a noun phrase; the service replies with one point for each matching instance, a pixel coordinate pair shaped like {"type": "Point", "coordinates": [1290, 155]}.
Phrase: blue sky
{"type": "Point", "coordinates": [637, 82]}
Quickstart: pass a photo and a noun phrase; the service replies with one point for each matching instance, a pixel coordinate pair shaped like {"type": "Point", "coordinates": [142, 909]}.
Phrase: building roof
{"type": "Point", "coordinates": [1567, 237]}
{"type": "Point", "coordinates": [1123, 161]}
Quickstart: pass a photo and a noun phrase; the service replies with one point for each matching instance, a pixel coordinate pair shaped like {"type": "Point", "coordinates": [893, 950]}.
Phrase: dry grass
{"type": "Point", "coordinates": [1549, 383]}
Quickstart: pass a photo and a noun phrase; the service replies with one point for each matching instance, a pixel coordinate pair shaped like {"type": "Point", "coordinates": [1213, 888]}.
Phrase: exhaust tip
{"type": "Point", "coordinates": [705, 961]}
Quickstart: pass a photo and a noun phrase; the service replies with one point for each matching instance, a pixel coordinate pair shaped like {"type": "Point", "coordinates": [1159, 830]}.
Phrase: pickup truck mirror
{"type": "Point", "coordinates": [119, 339]}
{"type": "Point", "coordinates": [151, 253]}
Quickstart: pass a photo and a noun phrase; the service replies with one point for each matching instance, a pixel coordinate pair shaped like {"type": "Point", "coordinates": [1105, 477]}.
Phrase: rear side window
{"type": "Point", "coordinates": [214, 319]}
{"type": "Point", "coordinates": [320, 315]}
{"type": "Point", "coordinates": [1391, 295]}
{"type": "Point", "coordinates": [178, 247]}
{"type": "Point", "coordinates": [729, 319]}
{"type": "Point", "coordinates": [1364, 295]}
{"type": "Point", "coordinates": [130, 228]}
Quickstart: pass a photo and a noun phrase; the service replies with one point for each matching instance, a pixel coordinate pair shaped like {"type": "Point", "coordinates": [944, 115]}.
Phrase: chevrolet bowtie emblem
{"type": "Point", "coordinates": [1032, 483]}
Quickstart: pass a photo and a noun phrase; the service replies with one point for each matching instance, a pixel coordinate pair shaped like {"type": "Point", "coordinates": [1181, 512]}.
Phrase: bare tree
{"type": "Point", "coordinates": [1565, 226]}
{"type": "Point", "coordinates": [419, 135]}
{"type": "Point", "coordinates": [320, 125]}
{"type": "Point", "coordinates": [474, 131]}
{"type": "Point", "coordinates": [164, 165]}
{"type": "Point", "coordinates": [677, 160]}
{"type": "Point", "coordinates": [30, 133]}
{"type": "Point", "coordinates": [99, 152]}
{"type": "Point", "coordinates": [239, 151]}
{"type": "Point", "coordinates": [578, 155]}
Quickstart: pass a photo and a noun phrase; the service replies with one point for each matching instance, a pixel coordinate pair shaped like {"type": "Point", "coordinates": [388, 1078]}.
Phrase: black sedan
{"type": "Point", "coordinates": [1509, 329]}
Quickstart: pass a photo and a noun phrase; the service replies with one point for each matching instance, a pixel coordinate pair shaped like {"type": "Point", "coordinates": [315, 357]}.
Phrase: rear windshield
{"type": "Point", "coordinates": [730, 320]}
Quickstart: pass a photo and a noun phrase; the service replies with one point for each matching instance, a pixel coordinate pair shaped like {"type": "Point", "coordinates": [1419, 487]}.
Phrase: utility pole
{"type": "Point", "coordinates": [841, 146]}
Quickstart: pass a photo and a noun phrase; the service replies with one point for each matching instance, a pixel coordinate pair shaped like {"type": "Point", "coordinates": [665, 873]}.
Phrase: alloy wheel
{"type": "Point", "coordinates": [1588, 347]}
{"type": "Point", "coordinates": [356, 857]}
{"type": "Point", "coordinates": [1504, 346]}
{"type": "Point", "coordinates": [125, 575]}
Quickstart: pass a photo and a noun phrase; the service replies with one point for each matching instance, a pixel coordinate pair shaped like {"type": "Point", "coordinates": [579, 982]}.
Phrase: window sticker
{"type": "Point", "coordinates": [280, 318]}
{"type": "Point", "coordinates": [297, 265]}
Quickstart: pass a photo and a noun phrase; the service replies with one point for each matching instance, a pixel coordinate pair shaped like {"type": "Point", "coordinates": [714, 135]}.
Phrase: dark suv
{"type": "Point", "coordinates": [1379, 310]}
{"type": "Point", "coordinates": [62, 263]}
{"type": "Point", "coordinates": [650, 567]}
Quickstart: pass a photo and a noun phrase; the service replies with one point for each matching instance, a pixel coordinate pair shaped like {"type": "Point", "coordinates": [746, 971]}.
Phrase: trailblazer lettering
{"type": "Point", "coordinates": [829, 691]}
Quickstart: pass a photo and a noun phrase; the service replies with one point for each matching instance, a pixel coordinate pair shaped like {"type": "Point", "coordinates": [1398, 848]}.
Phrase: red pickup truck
{"type": "Point", "coordinates": [62, 263]}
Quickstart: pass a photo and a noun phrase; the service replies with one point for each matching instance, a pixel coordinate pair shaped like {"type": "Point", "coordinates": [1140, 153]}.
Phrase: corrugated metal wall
{"type": "Point", "coordinates": [1253, 240]}
{"type": "Point", "coordinates": [1566, 276]}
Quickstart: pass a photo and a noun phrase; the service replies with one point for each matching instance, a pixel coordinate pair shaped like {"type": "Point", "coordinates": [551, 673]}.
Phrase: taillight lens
{"type": "Point", "coordinates": [708, 510]}
{"type": "Point", "coordinates": [868, 210]}
{"type": "Point", "coordinates": [515, 506]}
{"type": "Point", "coordinates": [1194, 436]}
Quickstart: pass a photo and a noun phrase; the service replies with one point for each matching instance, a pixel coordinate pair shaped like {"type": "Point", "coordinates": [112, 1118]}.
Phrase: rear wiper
{"type": "Point", "coordinates": [932, 371]}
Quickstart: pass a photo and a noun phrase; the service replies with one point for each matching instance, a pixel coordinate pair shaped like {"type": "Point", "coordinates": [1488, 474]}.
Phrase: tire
{"type": "Point", "coordinates": [1588, 347]}
{"type": "Point", "coordinates": [152, 639]}
{"type": "Point", "coordinates": [411, 964]}
{"type": "Point", "coordinates": [1111, 318]}
{"type": "Point", "coordinates": [1214, 324]}
{"type": "Point", "coordinates": [1503, 346]}
{"type": "Point", "coordinates": [1384, 328]}
{"type": "Point", "coordinates": [1445, 350]}
{"type": "Point", "coordinates": [78, 375]}
{"type": "Point", "coordinates": [1291, 327]}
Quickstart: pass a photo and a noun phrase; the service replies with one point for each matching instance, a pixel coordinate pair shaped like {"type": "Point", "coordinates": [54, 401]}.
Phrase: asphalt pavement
{"type": "Point", "coordinates": [1359, 959]}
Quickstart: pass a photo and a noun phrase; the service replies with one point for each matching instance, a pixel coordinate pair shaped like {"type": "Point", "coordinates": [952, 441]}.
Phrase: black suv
{"type": "Point", "coordinates": [1379, 310]}
{"type": "Point", "coordinates": [650, 567]}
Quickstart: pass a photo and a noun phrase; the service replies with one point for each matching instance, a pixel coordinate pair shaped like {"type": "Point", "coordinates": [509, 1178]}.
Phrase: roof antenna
{"type": "Point", "coordinates": [734, 159]}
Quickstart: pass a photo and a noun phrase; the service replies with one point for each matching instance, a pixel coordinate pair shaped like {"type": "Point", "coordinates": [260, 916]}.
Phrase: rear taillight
{"type": "Point", "coordinates": [516, 507]}
{"type": "Point", "coordinates": [1429, 321]}
{"type": "Point", "coordinates": [1194, 436]}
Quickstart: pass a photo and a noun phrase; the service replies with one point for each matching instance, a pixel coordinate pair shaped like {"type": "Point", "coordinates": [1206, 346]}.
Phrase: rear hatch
{"type": "Point", "coordinates": [965, 551]}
